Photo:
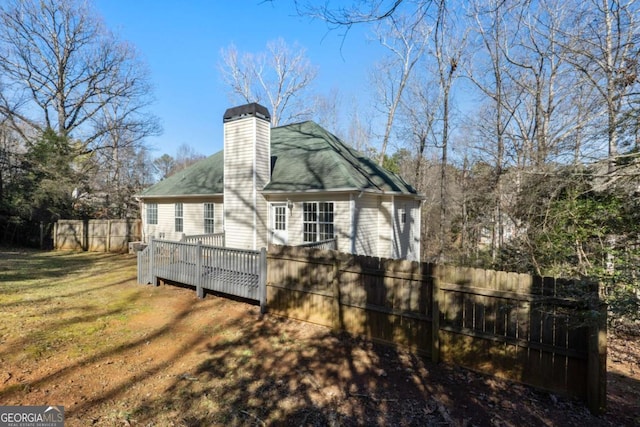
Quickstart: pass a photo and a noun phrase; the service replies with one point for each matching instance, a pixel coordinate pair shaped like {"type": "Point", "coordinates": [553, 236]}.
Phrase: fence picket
{"type": "Point", "coordinates": [506, 324]}
{"type": "Point", "coordinates": [502, 323]}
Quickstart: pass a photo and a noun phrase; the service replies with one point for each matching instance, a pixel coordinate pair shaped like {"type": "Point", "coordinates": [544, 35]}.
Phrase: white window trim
{"type": "Point", "coordinates": [212, 218]}
{"type": "Point", "coordinates": [318, 223]}
{"type": "Point", "coordinates": [178, 217]}
{"type": "Point", "coordinates": [152, 207]}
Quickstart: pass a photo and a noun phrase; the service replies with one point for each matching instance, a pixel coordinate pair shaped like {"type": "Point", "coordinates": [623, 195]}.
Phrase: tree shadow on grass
{"type": "Point", "coordinates": [80, 291]}
{"type": "Point", "coordinates": [47, 265]}
{"type": "Point", "coordinates": [228, 365]}
{"type": "Point", "coordinates": [59, 374]}
{"type": "Point", "coordinates": [274, 371]}
{"type": "Point", "coordinates": [268, 371]}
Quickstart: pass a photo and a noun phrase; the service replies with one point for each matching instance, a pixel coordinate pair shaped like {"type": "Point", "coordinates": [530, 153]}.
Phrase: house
{"type": "Point", "coordinates": [292, 184]}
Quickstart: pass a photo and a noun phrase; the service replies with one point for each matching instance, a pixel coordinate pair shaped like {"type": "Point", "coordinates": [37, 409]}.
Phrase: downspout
{"type": "Point", "coordinates": [352, 230]}
{"type": "Point", "coordinates": [394, 237]}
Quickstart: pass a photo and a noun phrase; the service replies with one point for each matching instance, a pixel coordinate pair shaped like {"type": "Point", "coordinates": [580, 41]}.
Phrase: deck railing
{"type": "Point", "coordinates": [237, 272]}
{"type": "Point", "coordinates": [210, 239]}
{"type": "Point", "coordinates": [144, 266]}
{"type": "Point", "coordinates": [331, 244]}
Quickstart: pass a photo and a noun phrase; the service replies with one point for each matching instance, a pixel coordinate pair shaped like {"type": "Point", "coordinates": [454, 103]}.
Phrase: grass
{"type": "Point", "coordinates": [54, 301]}
{"type": "Point", "coordinates": [76, 330]}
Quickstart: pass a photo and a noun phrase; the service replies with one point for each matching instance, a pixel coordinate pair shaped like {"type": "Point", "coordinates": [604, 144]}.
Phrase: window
{"type": "Point", "coordinates": [152, 213]}
{"type": "Point", "coordinates": [317, 220]}
{"type": "Point", "coordinates": [209, 224]}
{"type": "Point", "coordinates": [179, 220]}
{"type": "Point", "coordinates": [403, 215]}
{"type": "Point", "coordinates": [280, 218]}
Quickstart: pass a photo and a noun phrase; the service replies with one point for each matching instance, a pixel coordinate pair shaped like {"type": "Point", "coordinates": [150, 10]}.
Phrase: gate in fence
{"type": "Point", "coordinates": [237, 272]}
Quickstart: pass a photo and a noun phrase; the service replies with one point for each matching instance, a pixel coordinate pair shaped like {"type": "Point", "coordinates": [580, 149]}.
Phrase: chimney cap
{"type": "Point", "coordinates": [248, 110]}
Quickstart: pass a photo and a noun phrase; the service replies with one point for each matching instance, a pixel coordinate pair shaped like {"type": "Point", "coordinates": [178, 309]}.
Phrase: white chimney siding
{"type": "Point", "coordinates": [247, 169]}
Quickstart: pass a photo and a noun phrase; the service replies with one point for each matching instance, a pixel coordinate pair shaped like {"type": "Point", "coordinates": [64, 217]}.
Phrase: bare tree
{"type": "Point", "coordinates": [186, 155]}
{"type": "Point", "coordinates": [279, 77]}
{"type": "Point", "coordinates": [360, 130]}
{"type": "Point", "coordinates": [420, 109]}
{"type": "Point", "coordinates": [419, 113]}
{"type": "Point", "coordinates": [492, 82]}
{"type": "Point", "coordinates": [448, 49]}
{"type": "Point", "coordinates": [327, 111]}
{"type": "Point", "coordinates": [61, 68]}
{"type": "Point", "coordinates": [124, 125]}
{"type": "Point", "coordinates": [339, 14]}
{"type": "Point", "coordinates": [603, 45]}
{"type": "Point", "coordinates": [167, 165]}
{"type": "Point", "coordinates": [536, 66]}
{"type": "Point", "coordinates": [406, 38]}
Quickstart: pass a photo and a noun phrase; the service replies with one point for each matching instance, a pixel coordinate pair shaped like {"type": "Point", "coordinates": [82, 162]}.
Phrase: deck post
{"type": "Point", "coordinates": [262, 280]}
{"type": "Point", "coordinates": [152, 259]}
{"type": "Point", "coordinates": [199, 272]}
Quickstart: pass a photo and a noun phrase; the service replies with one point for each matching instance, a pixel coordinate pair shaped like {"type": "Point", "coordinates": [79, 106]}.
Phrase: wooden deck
{"type": "Point", "coordinates": [236, 272]}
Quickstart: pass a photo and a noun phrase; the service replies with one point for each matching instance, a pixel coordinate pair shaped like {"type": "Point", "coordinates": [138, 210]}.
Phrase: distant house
{"type": "Point", "coordinates": [291, 185]}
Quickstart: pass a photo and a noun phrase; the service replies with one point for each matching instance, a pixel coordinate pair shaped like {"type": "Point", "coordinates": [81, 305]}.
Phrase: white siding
{"type": "Point", "coordinates": [407, 233]}
{"type": "Point", "coordinates": [193, 218]}
{"type": "Point", "coordinates": [342, 221]}
{"type": "Point", "coordinates": [166, 221]}
{"type": "Point", "coordinates": [245, 216]}
{"type": "Point", "coordinates": [415, 250]}
{"type": "Point", "coordinates": [386, 240]}
{"type": "Point", "coordinates": [341, 217]}
{"type": "Point", "coordinates": [365, 224]}
{"type": "Point", "coordinates": [377, 222]}
{"type": "Point", "coordinates": [263, 154]}
{"type": "Point", "coordinates": [263, 175]}
{"type": "Point", "coordinates": [295, 223]}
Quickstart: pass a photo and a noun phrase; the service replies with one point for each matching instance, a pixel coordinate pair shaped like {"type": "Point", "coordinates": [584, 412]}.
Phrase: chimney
{"type": "Point", "coordinates": [247, 169]}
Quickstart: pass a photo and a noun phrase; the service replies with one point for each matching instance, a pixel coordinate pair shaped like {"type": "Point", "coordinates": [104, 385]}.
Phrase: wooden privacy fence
{"type": "Point", "coordinates": [528, 329]}
{"type": "Point", "coordinates": [237, 272]}
{"type": "Point", "coordinates": [96, 235]}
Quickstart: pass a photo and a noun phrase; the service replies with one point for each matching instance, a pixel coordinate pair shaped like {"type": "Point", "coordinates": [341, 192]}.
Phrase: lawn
{"type": "Point", "coordinates": [76, 330]}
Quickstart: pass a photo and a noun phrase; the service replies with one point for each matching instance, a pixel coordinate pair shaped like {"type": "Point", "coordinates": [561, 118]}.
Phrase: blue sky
{"type": "Point", "coordinates": [181, 42]}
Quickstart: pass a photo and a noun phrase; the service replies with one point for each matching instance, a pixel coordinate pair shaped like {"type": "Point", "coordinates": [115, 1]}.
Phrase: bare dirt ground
{"type": "Point", "coordinates": [181, 361]}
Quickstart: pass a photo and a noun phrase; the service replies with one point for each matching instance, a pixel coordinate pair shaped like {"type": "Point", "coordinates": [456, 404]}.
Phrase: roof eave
{"type": "Point", "coordinates": [178, 196]}
{"type": "Point", "coordinates": [342, 191]}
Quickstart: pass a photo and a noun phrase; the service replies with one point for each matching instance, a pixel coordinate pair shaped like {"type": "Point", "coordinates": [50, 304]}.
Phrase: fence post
{"type": "Point", "coordinates": [262, 280]}
{"type": "Point", "coordinates": [435, 314]}
{"type": "Point", "coordinates": [597, 358]}
{"type": "Point", "coordinates": [109, 229]}
{"type": "Point", "coordinates": [152, 261]}
{"type": "Point", "coordinates": [199, 275]}
{"type": "Point", "coordinates": [335, 290]}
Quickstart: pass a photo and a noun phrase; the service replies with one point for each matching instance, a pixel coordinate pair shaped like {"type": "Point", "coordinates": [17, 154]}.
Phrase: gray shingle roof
{"type": "Point", "coordinates": [304, 157]}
